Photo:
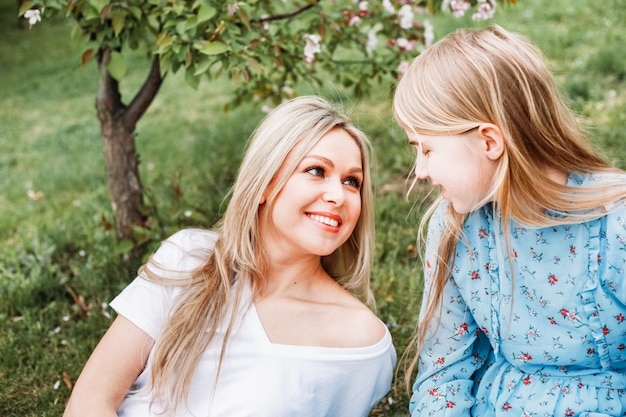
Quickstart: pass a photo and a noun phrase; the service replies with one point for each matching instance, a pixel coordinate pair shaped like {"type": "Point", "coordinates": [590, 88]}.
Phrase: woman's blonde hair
{"type": "Point", "coordinates": [277, 146]}
{"type": "Point", "coordinates": [490, 75]}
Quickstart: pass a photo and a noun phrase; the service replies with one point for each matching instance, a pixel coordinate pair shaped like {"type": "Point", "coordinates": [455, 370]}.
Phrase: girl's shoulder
{"type": "Point", "coordinates": [596, 178]}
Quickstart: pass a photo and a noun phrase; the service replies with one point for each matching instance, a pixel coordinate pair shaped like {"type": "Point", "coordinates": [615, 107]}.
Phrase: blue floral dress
{"type": "Point", "coordinates": [547, 341]}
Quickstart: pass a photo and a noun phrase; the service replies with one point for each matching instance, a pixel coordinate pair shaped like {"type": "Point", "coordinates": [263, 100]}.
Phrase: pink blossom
{"type": "Point", "coordinates": [388, 6]}
{"type": "Point", "coordinates": [459, 7]}
{"type": "Point", "coordinates": [405, 44]}
{"type": "Point", "coordinates": [354, 21]}
{"type": "Point", "coordinates": [372, 41]}
{"type": "Point", "coordinates": [403, 67]}
{"type": "Point", "coordinates": [486, 10]}
{"type": "Point", "coordinates": [231, 9]}
{"type": "Point", "coordinates": [312, 47]}
{"type": "Point", "coordinates": [405, 17]}
{"type": "Point", "coordinates": [429, 33]}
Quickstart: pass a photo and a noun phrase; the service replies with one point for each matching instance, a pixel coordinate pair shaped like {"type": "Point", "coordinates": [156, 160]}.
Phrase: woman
{"type": "Point", "coordinates": [258, 317]}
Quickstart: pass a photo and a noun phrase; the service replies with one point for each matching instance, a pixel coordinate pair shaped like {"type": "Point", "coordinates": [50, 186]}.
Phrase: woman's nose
{"type": "Point", "coordinates": [334, 192]}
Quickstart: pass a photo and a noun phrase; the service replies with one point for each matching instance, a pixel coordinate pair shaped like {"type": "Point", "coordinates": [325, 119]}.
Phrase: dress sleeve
{"type": "Point", "coordinates": [452, 350]}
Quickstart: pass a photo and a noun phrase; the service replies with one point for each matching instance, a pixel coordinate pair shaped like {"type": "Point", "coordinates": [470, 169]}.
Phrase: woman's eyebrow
{"type": "Point", "coordinates": [331, 164]}
{"type": "Point", "coordinates": [321, 158]}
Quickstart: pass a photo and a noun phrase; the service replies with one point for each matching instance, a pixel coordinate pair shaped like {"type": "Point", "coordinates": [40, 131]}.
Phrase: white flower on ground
{"type": "Point", "coordinates": [363, 5]}
{"type": "Point", "coordinates": [405, 17]}
{"type": "Point", "coordinates": [34, 195]}
{"type": "Point", "coordinates": [312, 47]}
{"type": "Point", "coordinates": [33, 16]}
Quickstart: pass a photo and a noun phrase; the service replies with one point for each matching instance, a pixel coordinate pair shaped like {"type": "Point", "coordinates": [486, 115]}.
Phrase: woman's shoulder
{"type": "Point", "coordinates": [192, 239]}
{"type": "Point", "coordinates": [359, 327]}
{"type": "Point", "coordinates": [182, 253]}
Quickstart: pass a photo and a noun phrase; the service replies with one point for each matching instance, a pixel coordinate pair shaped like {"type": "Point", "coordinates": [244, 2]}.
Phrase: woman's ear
{"type": "Point", "coordinates": [493, 141]}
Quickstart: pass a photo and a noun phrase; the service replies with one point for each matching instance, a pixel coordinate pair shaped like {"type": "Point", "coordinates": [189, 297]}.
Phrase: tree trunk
{"type": "Point", "coordinates": [122, 168]}
{"type": "Point", "coordinates": [117, 125]}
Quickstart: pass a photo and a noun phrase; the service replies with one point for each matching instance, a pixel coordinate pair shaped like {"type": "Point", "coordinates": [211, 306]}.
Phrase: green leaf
{"type": "Point", "coordinates": [163, 42]}
{"type": "Point", "coordinates": [203, 66]}
{"type": "Point", "coordinates": [98, 4]}
{"type": "Point", "coordinates": [192, 80]}
{"type": "Point", "coordinates": [245, 19]}
{"type": "Point", "coordinates": [135, 11]}
{"type": "Point", "coordinates": [191, 22]}
{"type": "Point", "coordinates": [123, 246]}
{"type": "Point", "coordinates": [117, 66]}
{"type": "Point", "coordinates": [206, 13]}
{"type": "Point", "coordinates": [25, 6]}
{"type": "Point", "coordinates": [214, 48]}
{"type": "Point", "coordinates": [117, 21]}
{"type": "Point", "coordinates": [255, 65]}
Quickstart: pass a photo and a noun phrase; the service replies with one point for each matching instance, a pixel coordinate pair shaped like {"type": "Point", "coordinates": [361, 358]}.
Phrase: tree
{"type": "Point", "coordinates": [264, 46]}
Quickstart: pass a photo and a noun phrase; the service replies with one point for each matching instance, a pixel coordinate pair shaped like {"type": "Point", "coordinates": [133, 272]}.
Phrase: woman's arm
{"type": "Point", "coordinates": [113, 366]}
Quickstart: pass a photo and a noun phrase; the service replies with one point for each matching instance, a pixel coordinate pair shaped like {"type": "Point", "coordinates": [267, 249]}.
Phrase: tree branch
{"type": "Point", "coordinates": [286, 15]}
{"type": "Point", "coordinates": [146, 94]}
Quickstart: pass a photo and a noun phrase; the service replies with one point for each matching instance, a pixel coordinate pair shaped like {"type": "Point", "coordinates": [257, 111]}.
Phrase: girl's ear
{"type": "Point", "coordinates": [491, 135]}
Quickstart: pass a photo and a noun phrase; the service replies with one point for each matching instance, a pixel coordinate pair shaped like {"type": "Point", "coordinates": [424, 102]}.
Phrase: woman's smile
{"type": "Point", "coordinates": [326, 219]}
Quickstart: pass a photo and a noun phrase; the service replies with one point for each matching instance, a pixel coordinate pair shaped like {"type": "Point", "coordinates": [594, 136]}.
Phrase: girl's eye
{"type": "Point", "coordinates": [317, 171]}
{"type": "Point", "coordinates": [353, 182]}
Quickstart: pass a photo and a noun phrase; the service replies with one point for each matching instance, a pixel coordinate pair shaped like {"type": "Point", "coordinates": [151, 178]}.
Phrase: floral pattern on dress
{"type": "Point", "coordinates": [547, 339]}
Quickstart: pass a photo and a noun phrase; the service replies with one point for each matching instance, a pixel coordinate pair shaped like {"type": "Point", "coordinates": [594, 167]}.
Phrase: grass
{"type": "Point", "coordinates": [58, 266]}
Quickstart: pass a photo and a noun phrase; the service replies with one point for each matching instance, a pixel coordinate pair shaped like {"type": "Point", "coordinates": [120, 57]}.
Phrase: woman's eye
{"type": "Point", "coordinates": [353, 182]}
{"type": "Point", "coordinates": [317, 171]}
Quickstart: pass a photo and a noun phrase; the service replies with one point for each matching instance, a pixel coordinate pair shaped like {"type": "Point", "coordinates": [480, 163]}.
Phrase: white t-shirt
{"type": "Point", "coordinates": [258, 378]}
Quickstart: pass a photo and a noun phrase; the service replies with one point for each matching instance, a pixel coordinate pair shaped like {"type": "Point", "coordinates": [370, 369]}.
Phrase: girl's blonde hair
{"type": "Point", "coordinates": [277, 146]}
{"type": "Point", "coordinates": [493, 76]}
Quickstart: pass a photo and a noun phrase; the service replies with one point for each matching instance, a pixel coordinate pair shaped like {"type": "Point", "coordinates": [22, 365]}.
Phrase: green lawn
{"type": "Point", "coordinates": [58, 266]}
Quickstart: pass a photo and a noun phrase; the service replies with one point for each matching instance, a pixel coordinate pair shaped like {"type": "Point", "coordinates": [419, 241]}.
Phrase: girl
{"type": "Point", "coordinates": [257, 317]}
{"type": "Point", "coordinates": [523, 312]}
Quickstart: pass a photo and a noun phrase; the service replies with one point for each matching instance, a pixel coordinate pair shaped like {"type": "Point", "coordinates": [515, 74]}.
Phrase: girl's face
{"type": "Point", "coordinates": [458, 164]}
{"type": "Point", "coordinates": [320, 204]}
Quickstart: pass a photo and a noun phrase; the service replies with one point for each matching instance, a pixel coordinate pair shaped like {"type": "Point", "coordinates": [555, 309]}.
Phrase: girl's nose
{"type": "Point", "coordinates": [420, 170]}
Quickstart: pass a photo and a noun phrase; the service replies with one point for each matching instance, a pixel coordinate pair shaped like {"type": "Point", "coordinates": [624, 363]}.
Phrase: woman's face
{"type": "Point", "coordinates": [320, 204]}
